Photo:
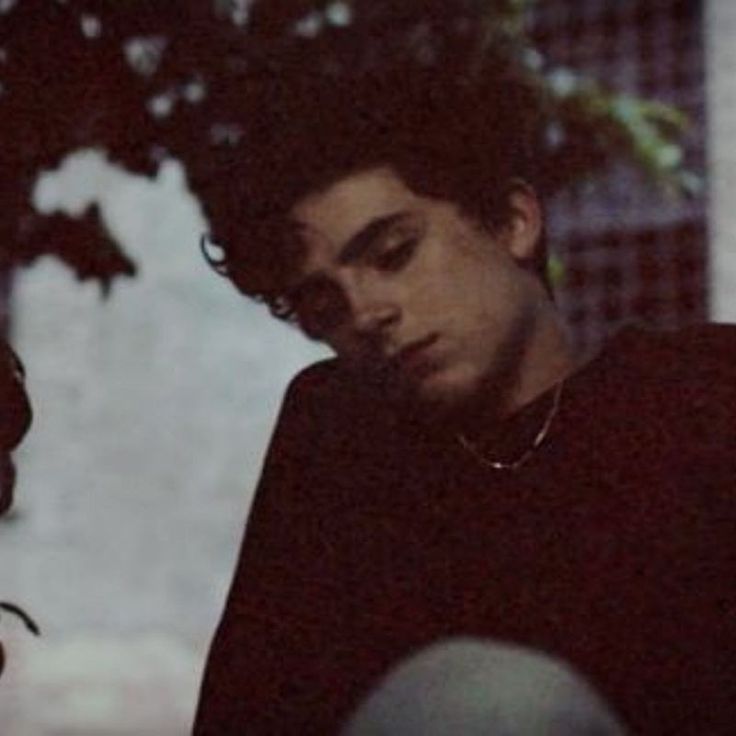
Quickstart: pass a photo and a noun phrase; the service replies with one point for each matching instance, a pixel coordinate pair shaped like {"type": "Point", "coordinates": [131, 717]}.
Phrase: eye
{"type": "Point", "coordinates": [396, 255]}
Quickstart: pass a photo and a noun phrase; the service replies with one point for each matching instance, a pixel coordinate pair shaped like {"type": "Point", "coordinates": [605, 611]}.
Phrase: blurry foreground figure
{"type": "Point", "coordinates": [15, 418]}
{"type": "Point", "coordinates": [475, 688]}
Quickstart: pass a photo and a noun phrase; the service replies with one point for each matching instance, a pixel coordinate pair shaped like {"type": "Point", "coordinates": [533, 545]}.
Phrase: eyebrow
{"type": "Point", "coordinates": [365, 238]}
{"type": "Point", "coordinates": [353, 250]}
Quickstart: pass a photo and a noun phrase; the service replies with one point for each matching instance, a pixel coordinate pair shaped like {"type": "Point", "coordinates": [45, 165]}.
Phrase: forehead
{"type": "Point", "coordinates": [331, 217]}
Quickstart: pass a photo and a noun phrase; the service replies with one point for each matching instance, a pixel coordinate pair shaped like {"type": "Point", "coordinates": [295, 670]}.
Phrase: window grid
{"type": "Point", "coordinates": [629, 254]}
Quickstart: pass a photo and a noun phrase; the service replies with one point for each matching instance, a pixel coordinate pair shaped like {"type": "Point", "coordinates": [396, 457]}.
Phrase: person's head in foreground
{"type": "Point", "coordinates": [15, 418]}
{"type": "Point", "coordinates": [394, 214]}
{"type": "Point", "coordinates": [476, 687]}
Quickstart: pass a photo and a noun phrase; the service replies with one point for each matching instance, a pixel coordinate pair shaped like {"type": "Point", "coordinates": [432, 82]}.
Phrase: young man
{"type": "Point", "coordinates": [457, 471]}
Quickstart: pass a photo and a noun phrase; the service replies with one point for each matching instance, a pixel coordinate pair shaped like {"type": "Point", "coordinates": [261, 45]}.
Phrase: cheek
{"type": "Point", "coordinates": [492, 307]}
{"type": "Point", "coordinates": [484, 297]}
{"type": "Point", "coordinates": [449, 280]}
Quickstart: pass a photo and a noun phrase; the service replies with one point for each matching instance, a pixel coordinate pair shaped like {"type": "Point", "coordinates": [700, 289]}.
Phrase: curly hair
{"type": "Point", "coordinates": [453, 122]}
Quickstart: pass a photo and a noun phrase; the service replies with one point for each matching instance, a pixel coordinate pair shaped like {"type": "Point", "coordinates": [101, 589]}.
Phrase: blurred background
{"type": "Point", "coordinates": [154, 403]}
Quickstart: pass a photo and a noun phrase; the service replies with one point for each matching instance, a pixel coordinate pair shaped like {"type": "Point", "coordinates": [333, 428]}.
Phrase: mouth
{"type": "Point", "coordinates": [415, 358]}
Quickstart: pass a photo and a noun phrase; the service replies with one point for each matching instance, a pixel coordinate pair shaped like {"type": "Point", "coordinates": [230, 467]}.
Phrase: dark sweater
{"type": "Point", "coordinates": [613, 547]}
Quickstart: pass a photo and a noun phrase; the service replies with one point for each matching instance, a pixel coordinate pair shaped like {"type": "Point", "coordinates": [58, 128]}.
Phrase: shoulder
{"type": "Point", "coordinates": [328, 391]}
{"type": "Point", "coordinates": [328, 410]}
{"type": "Point", "coordinates": [296, 475]}
{"type": "Point", "coordinates": [317, 381]}
{"type": "Point", "coordinates": [665, 375]}
{"type": "Point", "coordinates": [684, 378]}
{"type": "Point", "coordinates": [688, 352]}
{"type": "Point", "coordinates": [310, 397]}
{"type": "Point", "coordinates": [701, 339]}
{"type": "Point", "coordinates": [320, 394]}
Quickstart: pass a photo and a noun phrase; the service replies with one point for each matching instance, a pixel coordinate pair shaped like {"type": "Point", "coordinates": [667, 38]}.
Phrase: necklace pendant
{"type": "Point", "coordinates": [479, 456]}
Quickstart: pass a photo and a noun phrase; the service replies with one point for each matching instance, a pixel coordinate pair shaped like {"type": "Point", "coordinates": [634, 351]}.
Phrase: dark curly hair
{"type": "Point", "coordinates": [452, 119]}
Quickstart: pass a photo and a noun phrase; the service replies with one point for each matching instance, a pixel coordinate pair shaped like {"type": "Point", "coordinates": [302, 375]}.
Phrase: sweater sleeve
{"type": "Point", "coordinates": [275, 663]}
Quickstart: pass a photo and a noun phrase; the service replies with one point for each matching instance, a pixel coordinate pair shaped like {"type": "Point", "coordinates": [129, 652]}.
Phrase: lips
{"type": "Point", "coordinates": [415, 358]}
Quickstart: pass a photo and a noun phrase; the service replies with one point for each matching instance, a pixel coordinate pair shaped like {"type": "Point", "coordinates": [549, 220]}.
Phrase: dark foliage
{"type": "Point", "coordinates": [143, 79]}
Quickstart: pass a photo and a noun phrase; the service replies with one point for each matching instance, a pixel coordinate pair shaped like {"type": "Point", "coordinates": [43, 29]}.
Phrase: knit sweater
{"type": "Point", "coordinates": [612, 547]}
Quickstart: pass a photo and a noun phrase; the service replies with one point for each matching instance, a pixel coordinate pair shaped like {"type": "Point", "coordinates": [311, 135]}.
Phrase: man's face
{"type": "Point", "coordinates": [408, 285]}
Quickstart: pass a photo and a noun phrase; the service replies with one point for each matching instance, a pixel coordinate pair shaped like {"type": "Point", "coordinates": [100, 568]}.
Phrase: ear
{"type": "Point", "coordinates": [523, 229]}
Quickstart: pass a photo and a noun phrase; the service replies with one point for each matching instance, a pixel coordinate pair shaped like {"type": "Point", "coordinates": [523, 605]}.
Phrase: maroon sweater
{"type": "Point", "coordinates": [613, 547]}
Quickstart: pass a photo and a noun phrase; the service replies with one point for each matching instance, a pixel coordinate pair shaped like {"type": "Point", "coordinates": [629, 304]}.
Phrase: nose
{"type": "Point", "coordinates": [372, 313]}
{"type": "Point", "coordinates": [372, 320]}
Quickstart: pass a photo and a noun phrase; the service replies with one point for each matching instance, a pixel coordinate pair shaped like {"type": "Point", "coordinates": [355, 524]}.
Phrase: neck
{"type": "Point", "coordinates": [542, 361]}
{"type": "Point", "coordinates": [548, 360]}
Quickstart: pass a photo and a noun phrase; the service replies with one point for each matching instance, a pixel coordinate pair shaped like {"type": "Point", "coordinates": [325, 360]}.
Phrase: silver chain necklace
{"type": "Point", "coordinates": [472, 448]}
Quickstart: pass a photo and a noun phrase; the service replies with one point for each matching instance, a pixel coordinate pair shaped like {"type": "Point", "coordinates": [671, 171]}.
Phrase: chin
{"type": "Point", "coordinates": [447, 391]}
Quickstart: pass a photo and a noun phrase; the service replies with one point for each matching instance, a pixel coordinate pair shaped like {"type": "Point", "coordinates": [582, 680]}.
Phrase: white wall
{"type": "Point", "coordinates": [152, 412]}
{"type": "Point", "coordinates": [721, 95]}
